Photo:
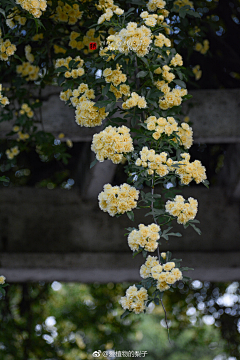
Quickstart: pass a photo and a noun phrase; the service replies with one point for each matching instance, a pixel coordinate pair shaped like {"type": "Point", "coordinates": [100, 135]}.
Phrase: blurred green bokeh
{"type": "Point", "coordinates": [69, 321]}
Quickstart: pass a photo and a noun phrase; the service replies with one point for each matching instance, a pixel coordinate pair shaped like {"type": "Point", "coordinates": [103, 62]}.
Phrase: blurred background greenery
{"type": "Point", "coordinates": [42, 321]}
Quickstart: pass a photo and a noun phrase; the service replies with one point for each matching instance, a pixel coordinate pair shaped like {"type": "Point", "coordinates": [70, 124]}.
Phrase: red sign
{"type": "Point", "coordinates": [93, 46]}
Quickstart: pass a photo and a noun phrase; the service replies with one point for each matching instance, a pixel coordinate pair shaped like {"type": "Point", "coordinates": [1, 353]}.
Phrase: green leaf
{"type": "Point", "coordinates": [168, 256]}
{"type": "Point", "coordinates": [106, 89]}
{"type": "Point", "coordinates": [180, 83]}
{"type": "Point", "coordinates": [126, 313]}
{"type": "Point", "coordinates": [144, 60]}
{"type": "Point", "coordinates": [130, 215]}
{"type": "Point", "coordinates": [196, 229]}
{"type": "Point", "coordinates": [144, 252]}
{"type": "Point", "coordinates": [93, 163]}
{"type": "Point", "coordinates": [206, 183]}
{"type": "Point", "coordinates": [142, 74]}
{"type": "Point", "coordinates": [3, 12]}
{"type": "Point", "coordinates": [61, 69]}
{"type": "Point", "coordinates": [175, 234]}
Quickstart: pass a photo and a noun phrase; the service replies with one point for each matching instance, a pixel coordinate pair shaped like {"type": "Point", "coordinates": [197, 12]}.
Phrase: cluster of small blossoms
{"type": "Point", "coordinates": [161, 125]}
{"type": "Point", "coordinates": [151, 19]}
{"type": "Point", "coordinates": [146, 238]}
{"type": "Point", "coordinates": [75, 73]}
{"type": "Point", "coordinates": [3, 99]}
{"type": "Point", "coordinates": [197, 72]}
{"type": "Point", "coordinates": [176, 60]}
{"type": "Point", "coordinates": [153, 5]}
{"type": "Point", "coordinates": [28, 54]}
{"type": "Point", "coordinates": [190, 171]}
{"type": "Point", "coordinates": [67, 13]}
{"type": "Point", "coordinates": [118, 199]}
{"type": "Point", "coordinates": [6, 48]}
{"type": "Point", "coordinates": [202, 48]}
{"type": "Point", "coordinates": [135, 100]}
{"type": "Point", "coordinates": [166, 274]}
{"type": "Point", "coordinates": [184, 211]}
{"type": "Point", "coordinates": [103, 52]}
{"type": "Point", "coordinates": [185, 134]}
{"type": "Point", "coordinates": [161, 40]}
{"type": "Point", "coordinates": [29, 70]}
{"type": "Point", "coordinates": [15, 17]}
{"type": "Point", "coordinates": [123, 90]}
{"type": "Point", "coordinates": [109, 9]}
{"type": "Point", "coordinates": [182, 3]}
{"type": "Point", "coordinates": [25, 109]}
{"type": "Point", "coordinates": [134, 299]}
{"type": "Point", "coordinates": [172, 98]}
{"type": "Point", "coordinates": [168, 126]}
{"type": "Point", "coordinates": [116, 77]}
{"type": "Point", "coordinates": [34, 7]}
{"type": "Point", "coordinates": [80, 44]}
{"type": "Point", "coordinates": [2, 280]}
{"type": "Point", "coordinates": [58, 49]}
{"type": "Point", "coordinates": [154, 162]}
{"type": "Point", "coordinates": [14, 151]}
{"type": "Point", "coordinates": [87, 114]}
{"type": "Point", "coordinates": [112, 143]}
{"type": "Point", "coordinates": [22, 136]}
{"type": "Point", "coordinates": [132, 38]}
{"type": "Point", "coordinates": [37, 37]}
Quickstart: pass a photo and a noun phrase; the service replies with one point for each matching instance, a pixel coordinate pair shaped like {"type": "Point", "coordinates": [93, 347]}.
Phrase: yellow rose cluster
{"type": "Point", "coordinates": [27, 69]}
{"type": "Point", "coordinates": [182, 3]}
{"type": "Point", "coordinates": [168, 126]}
{"type": "Point", "coordinates": [75, 73]}
{"type": "Point", "coordinates": [22, 136]}
{"type": "Point", "coordinates": [190, 171]}
{"type": "Point", "coordinates": [3, 99]}
{"type": "Point", "coordinates": [161, 125]}
{"type": "Point", "coordinates": [58, 49]}
{"type": "Point", "coordinates": [118, 199]}
{"type": "Point", "coordinates": [15, 17]}
{"type": "Point", "coordinates": [34, 7]}
{"type": "Point", "coordinates": [123, 90]}
{"type": "Point", "coordinates": [2, 280]}
{"type": "Point", "coordinates": [146, 237]}
{"type": "Point", "coordinates": [132, 38]}
{"type": "Point", "coordinates": [25, 109]}
{"type": "Point", "coordinates": [67, 13]}
{"type": "Point", "coordinates": [172, 98]}
{"type": "Point", "coordinates": [184, 211]}
{"type": "Point", "coordinates": [109, 9]}
{"type": "Point", "coordinates": [185, 134]}
{"type": "Point", "coordinates": [80, 44]}
{"type": "Point", "coordinates": [116, 77]}
{"type": "Point", "coordinates": [112, 143]}
{"type": "Point", "coordinates": [14, 151]}
{"type": "Point", "coordinates": [6, 48]}
{"type": "Point", "coordinates": [154, 162]}
{"type": "Point", "coordinates": [151, 19]}
{"type": "Point", "coordinates": [86, 114]}
{"type": "Point", "coordinates": [202, 48]}
{"type": "Point", "coordinates": [166, 274]}
{"type": "Point", "coordinates": [37, 37]}
{"type": "Point", "coordinates": [135, 100]}
{"type": "Point", "coordinates": [177, 60]}
{"type": "Point", "coordinates": [28, 54]}
{"type": "Point", "coordinates": [134, 299]}
{"type": "Point", "coordinates": [153, 5]}
{"type": "Point", "coordinates": [197, 72]}
{"type": "Point", "coordinates": [161, 40]}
